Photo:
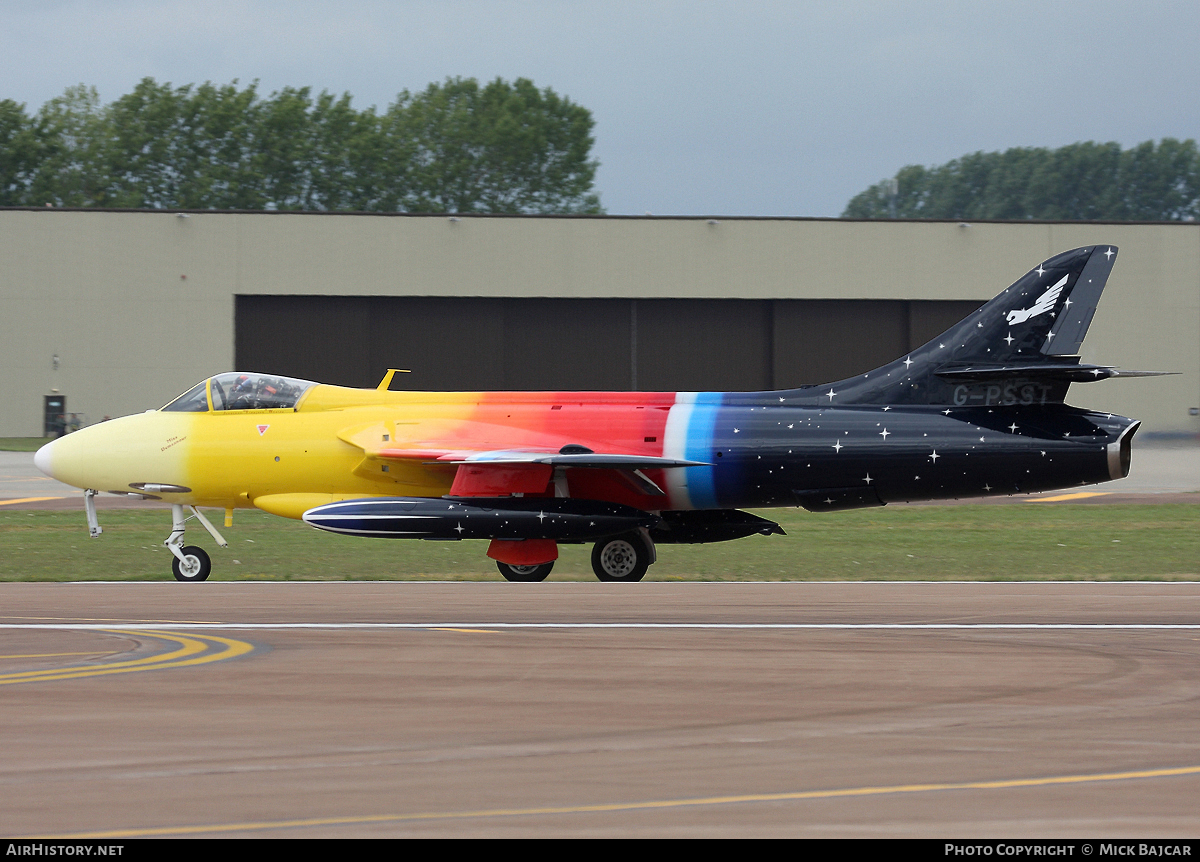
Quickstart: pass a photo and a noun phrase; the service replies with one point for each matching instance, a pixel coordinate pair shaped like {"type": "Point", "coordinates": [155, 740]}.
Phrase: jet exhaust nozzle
{"type": "Point", "coordinates": [1120, 452]}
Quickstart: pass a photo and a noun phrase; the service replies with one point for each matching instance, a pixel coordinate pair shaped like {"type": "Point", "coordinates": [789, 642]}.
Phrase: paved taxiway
{"type": "Point", "coordinates": [724, 709]}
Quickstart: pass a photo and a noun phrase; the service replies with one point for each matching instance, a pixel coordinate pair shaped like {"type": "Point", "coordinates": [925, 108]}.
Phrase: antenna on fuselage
{"type": "Point", "coordinates": [386, 383]}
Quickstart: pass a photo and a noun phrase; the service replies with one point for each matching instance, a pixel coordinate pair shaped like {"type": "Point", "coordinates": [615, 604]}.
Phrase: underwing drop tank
{"type": "Point", "coordinates": [557, 518]}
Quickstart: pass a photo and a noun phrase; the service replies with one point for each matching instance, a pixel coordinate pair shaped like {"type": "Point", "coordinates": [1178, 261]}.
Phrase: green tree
{"type": "Point", "coordinates": [1083, 181]}
{"type": "Point", "coordinates": [345, 165]}
{"type": "Point", "coordinates": [219, 140]}
{"type": "Point", "coordinates": [1160, 182]}
{"type": "Point", "coordinates": [503, 148]}
{"type": "Point", "coordinates": [186, 147]}
{"type": "Point", "coordinates": [454, 147]}
{"type": "Point", "coordinates": [145, 146]}
{"type": "Point", "coordinates": [20, 152]}
{"type": "Point", "coordinates": [71, 170]}
{"type": "Point", "coordinates": [282, 128]}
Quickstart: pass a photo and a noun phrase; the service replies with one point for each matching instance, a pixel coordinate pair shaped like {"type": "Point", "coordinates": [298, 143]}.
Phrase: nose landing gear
{"type": "Point", "coordinates": [193, 564]}
{"type": "Point", "coordinates": [190, 563]}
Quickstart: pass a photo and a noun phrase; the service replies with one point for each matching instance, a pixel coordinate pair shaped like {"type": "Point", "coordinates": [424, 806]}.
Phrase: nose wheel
{"type": "Point", "coordinates": [190, 563]}
{"type": "Point", "coordinates": [193, 566]}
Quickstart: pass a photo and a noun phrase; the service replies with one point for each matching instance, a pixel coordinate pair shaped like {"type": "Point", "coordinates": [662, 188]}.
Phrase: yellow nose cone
{"type": "Point", "coordinates": [113, 456]}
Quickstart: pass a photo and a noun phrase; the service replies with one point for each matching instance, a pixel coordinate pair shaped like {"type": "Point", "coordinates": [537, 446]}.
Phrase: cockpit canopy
{"type": "Point", "coordinates": [242, 391]}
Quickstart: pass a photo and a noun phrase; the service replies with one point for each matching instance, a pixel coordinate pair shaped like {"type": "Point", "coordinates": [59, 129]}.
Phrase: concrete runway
{"type": "Point", "coordinates": [999, 710]}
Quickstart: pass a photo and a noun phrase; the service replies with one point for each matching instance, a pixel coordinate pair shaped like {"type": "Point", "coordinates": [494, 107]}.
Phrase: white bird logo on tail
{"type": "Point", "coordinates": [1045, 303]}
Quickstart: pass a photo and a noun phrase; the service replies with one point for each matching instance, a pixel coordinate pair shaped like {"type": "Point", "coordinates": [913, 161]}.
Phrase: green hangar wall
{"type": "Point", "coordinates": [120, 311]}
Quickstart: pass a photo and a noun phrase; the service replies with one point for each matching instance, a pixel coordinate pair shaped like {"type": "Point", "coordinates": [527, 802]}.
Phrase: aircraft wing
{"type": "Point", "coordinates": [500, 472]}
{"type": "Point", "coordinates": [597, 460]}
{"type": "Point", "coordinates": [508, 471]}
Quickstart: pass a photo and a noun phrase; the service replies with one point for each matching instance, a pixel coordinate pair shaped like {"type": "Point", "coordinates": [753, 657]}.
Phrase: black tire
{"type": "Point", "coordinates": [526, 574]}
{"type": "Point", "coordinates": [198, 565]}
{"type": "Point", "coordinates": [621, 558]}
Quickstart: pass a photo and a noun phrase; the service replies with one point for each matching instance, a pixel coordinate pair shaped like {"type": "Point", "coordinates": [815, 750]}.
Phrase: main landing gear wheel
{"type": "Point", "coordinates": [195, 565]}
{"type": "Point", "coordinates": [527, 574]}
{"type": "Point", "coordinates": [621, 558]}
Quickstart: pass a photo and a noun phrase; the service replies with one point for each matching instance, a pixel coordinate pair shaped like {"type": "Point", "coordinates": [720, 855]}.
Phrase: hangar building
{"type": "Point", "coordinates": [104, 313]}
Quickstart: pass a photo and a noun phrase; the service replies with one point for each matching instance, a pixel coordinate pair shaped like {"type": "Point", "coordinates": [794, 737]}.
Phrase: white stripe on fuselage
{"type": "Point", "coordinates": [675, 446]}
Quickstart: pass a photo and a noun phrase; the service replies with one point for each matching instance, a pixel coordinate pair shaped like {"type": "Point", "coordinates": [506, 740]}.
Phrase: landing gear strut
{"type": "Point", "coordinates": [190, 563]}
{"type": "Point", "coordinates": [623, 558]}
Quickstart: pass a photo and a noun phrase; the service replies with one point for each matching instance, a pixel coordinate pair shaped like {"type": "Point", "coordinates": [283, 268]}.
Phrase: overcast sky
{"type": "Point", "coordinates": [750, 108]}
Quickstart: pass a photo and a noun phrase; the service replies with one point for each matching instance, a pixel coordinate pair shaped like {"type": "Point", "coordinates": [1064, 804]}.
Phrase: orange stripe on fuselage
{"type": "Point", "coordinates": [610, 422]}
{"type": "Point", "coordinates": [230, 462]}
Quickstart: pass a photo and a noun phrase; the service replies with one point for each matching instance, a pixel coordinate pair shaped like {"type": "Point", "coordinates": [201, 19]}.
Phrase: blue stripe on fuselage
{"type": "Point", "coordinates": [701, 481]}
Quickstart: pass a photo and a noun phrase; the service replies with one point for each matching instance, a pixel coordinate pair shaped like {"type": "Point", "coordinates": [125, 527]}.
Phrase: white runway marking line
{"type": "Point", "coordinates": [481, 626]}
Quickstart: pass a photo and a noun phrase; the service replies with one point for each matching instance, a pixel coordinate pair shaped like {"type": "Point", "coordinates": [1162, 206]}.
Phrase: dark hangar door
{"type": "Point", "coordinates": [448, 343]}
{"type": "Point", "coordinates": [480, 343]}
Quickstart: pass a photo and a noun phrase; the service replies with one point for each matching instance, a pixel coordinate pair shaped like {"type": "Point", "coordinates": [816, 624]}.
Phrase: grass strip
{"type": "Point", "coordinates": [22, 444]}
{"type": "Point", "coordinates": [1061, 541]}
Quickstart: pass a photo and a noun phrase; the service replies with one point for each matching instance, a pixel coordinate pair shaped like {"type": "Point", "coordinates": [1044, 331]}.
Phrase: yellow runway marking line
{"type": "Point", "coordinates": [467, 631]}
{"type": "Point", "coordinates": [29, 500]}
{"type": "Point", "coordinates": [1080, 495]}
{"type": "Point", "coordinates": [189, 646]}
{"type": "Point", "coordinates": [640, 806]}
{"type": "Point", "coordinates": [193, 650]}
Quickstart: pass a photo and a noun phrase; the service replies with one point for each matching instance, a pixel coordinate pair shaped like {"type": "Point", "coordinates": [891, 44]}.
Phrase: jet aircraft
{"type": "Point", "coordinates": [977, 411]}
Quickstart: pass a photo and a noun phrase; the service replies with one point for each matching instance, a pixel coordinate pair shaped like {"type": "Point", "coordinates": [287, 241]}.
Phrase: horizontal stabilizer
{"type": "Point", "coordinates": [1122, 372]}
{"type": "Point", "coordinates": [1064, 372]}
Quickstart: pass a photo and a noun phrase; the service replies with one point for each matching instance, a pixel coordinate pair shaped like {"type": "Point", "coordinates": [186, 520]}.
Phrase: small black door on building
{"type": "Point", "coordinates": [56, 415]}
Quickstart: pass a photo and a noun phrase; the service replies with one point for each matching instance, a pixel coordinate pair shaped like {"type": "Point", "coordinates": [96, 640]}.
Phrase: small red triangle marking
{"type": "Point", "coordinates": [262, 429]}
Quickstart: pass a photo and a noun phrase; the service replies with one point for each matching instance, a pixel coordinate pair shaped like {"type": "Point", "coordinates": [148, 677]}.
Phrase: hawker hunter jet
{"type": "Point", "coordinates": [977, 411]}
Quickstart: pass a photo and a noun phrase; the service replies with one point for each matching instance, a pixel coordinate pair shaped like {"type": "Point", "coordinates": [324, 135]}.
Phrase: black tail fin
{"type": "Point", "coordinates": [1019, 348]}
